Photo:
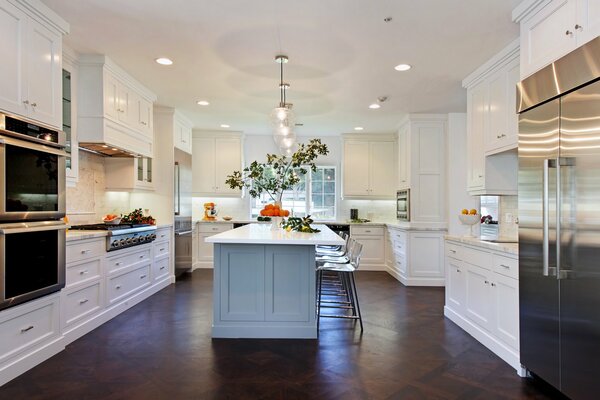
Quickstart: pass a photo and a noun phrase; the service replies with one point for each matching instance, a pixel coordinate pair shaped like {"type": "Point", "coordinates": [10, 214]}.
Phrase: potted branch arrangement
{"type": "Point", "coordinates": [278, 174]}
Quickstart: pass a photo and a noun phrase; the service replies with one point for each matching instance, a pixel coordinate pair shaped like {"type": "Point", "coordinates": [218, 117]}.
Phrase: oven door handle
{"type": "Point", "coordinates": [32, 146]}
{"type": "Point", "coordinates": [9, 229]}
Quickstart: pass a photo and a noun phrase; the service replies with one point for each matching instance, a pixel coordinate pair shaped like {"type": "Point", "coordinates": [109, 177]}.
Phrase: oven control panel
{"type": "Point", "coordinates": [117, 242]}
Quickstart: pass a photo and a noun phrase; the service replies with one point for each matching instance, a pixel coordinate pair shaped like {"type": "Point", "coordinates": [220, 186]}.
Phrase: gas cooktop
{"type": "Point", "coordinates": [122, 235]}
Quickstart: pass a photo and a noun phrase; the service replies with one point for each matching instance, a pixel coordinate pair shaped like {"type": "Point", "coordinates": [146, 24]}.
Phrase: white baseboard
{"type": "Point", "coordinates": [406, 281]}
{"type": "Point", "coordinates": [25, 362]}
{"type": "Point", "coordinates": [372, 267]}
{"type": "Point", "coordinates": [508, 354]}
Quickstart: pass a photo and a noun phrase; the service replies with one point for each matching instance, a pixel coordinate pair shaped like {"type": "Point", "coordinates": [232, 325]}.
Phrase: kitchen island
{"type": "Point", "coordinates": [264, 283]}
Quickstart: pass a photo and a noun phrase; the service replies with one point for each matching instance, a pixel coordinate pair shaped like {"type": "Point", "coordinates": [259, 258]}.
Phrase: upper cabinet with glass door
{"type": "Point", "coordinates": [551, 29]}
{"type": "Point", "coordinates": [31, 79]}
{"type": "Point", "coordinates": [69, 111]}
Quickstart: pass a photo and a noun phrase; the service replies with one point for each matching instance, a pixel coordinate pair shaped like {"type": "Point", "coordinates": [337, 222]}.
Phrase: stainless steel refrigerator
{"type": "Point", "coordinates": [559, 222]}
{"type": "Point", "coordinates": [183, 212]}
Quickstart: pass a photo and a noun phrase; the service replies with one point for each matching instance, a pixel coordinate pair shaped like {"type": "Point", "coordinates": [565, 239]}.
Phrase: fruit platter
{"type": "Point", "coordinates": [274, 210]}
{"type": "Point", "coordinates": [111, 219]}
{"type": "Point", "coordinates": [470, 218]}
{"type": "Point", "coordinates": [136, 217]}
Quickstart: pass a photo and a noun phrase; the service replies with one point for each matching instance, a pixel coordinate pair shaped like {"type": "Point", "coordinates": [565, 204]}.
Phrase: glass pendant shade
{"type": "Point", "coordinates": [282, 116]}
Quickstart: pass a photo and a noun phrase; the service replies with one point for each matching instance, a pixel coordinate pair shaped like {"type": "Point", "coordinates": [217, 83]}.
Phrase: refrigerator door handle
{"type": "Point", "coordinates": [558, 216]}
{"type": "Point", "coordinates": [178, 190]}
{"type": "Point", "coordinates": [545, 219]}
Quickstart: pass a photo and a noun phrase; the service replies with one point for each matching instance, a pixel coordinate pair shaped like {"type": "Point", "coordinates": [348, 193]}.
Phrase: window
{"type": "Point", "coordinates": [314, 195]}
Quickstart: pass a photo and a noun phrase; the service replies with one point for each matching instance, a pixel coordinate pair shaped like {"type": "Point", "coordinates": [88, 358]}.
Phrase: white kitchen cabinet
{"type": "Point", "coordinates": [368, 167]}
{"type": "Point", "coordinates": [182, 134]}
{"type": "Point", "coordinates": [372, 239]}
{"type": "Point", "coordinates": [418, 256]}
{"type": "Point", "coordinates": [213, 159]}
{"type": "Point", "coordinates": [422, 145]}
{"type": "Point", "coordinates": [127, 174]}
{"type": "Point", "coordinates": [31, 78]}
{"type": "Point", "coordinates": [551, 29]}
{"type": "Point", "coordinates": [482, 296]}
{"type": "Point", "coordinates": [113, 108]}
{"type": "Point", "coordinates": [204, 251]}
{"type": "Point", "coordinates": [492, 125]}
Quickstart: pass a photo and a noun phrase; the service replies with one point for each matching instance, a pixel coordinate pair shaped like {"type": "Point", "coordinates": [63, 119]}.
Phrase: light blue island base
{"type": "Point", "coordinates": [264, 291]}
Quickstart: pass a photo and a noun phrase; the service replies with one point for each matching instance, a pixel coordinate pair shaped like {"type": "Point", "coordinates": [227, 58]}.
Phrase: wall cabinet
{"type": "Point", "coordinates": [372, 239]}
{"type": "Point", "coordinates": [214, 158]}
{"type": "Point", "coordinates": [202, 250]}
{"type": "Point", "coordinates": [551, 29]}
{"type": "Point", "coordinates": [492, 125]}
{"type": "Point", "coordinates": [366, 167]}
{"type": "Point", "coordinates": [182, 133]}
{"type": "Point", "coordinates": [128, 174]}
{"type": "Point", "coordinates": [31, 79]}
{"type": "Point", "coordinates": [482, 297]}
{"type": "Point", "coordinates": [422, 166]}
{"type": "Point", "coordinates": [114, 108]}
{"type": "Point", "coordinates": [417, 256]}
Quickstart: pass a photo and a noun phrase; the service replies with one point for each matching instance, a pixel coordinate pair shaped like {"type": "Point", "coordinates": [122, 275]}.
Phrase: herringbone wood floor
{"type": "Point", "coordinates": [162, 349]}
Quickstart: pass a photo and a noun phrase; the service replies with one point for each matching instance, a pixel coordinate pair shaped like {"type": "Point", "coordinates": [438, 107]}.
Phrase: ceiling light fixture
{"type": "Point", "coordinates": [164, 61]}
{"type": "Point", "coordinates": [358, 128]}
{"type": "Point", "coordinates": [225, 126]}
{"type": "Point", "coordinates": [282, 116]}
{"type": "Point", "coordinates": [402, 67]}
{"type": "Point", "coordinates": [374, 106]}
{"type": "Point", "coordinates": [380, 99]}
{"type": "Point", "coordinates": [202, 103]}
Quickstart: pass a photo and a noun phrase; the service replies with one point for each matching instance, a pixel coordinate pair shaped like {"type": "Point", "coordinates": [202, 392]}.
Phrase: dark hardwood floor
{"type": "Point", "coordinates": [162, 349]}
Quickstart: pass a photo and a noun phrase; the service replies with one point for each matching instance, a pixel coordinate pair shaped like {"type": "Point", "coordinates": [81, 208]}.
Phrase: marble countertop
{"type": "Point", "coordinates": [262, 234]}
{"type": "Point", "coordinates": [511, 248]}
{"type": "Point", "coordinates": [81, 235]}
{"type": "Point", "coordinates": [393, 224]}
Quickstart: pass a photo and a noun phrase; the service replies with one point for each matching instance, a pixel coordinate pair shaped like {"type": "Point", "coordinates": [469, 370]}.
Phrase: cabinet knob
{"type": "Point", "coordinates": [25, 102]}
{"type": "Point", "coordinates": [578, 27]}
{"type": "Point", "coordinates": [457, 270]}
{"type": "Point", "coordinates": [33, 104]}
{"type": "Point", "coordinates": [493, 284]}
{"type": "Point", "coordinates": [569, 33]}
{"type": "Point", "coordinates": [486, 282]}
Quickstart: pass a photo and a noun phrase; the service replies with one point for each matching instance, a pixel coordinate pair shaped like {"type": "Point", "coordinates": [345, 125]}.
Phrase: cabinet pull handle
{"type": "Point", "coordinates": [117, 264]}
{"type": "Point", "coordinates": [143, 123]}
{"type": "Point", "coordinates": [579, 27]}
{"type": "Point", "coordinates": [83, 301]}
{"type": "Point", "coordinates": [162, 249]}
{"type": "Point", "coordinates": [505, 266]}
{"type": "Point", "coordinates": [30, 327]}
{"type": "Point", "coordinates": [25, 102]}
{"type": "Point", "coordinates": [83, 272]}
{"type": "Point", "coordinates": [568, 33]}
{"type": "Point", "coordinates": [142, 256]}
{"type": "Point", "coordinates": [493, 284]}
{"type": "Point", "coordinates": [85, 251]}
{"type": "Point", "coordinates": [142, 276]}
{"type": "Point", "coordinates": [163, 267]}
{"type": "Point", "coordinates": [486, 282]}
{"type": "Point", "coordinates": [367, 231]}
{"type": "Point", "coordinates": [118, 287]}
{"type": "Point", "coordinates": [453, 251]}
{"type": "Point", "coordinates": [33, 104]}
{"type": "Point", "coordinates": [457, 270]}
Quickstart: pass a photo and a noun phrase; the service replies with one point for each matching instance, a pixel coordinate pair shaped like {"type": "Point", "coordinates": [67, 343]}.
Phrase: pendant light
{"type": "Point", "coordinates": [282, 117]}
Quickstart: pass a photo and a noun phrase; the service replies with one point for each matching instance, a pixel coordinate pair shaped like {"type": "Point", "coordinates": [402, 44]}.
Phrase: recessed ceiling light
{"type": "Point", "coordinates": [164, 61]}
{"type": "Point", "coordinates": [224, 126]}
{"type": "Point", "coordinates": [374, 106]}
{"type": "Point", "coordinates": [115, 149]}
{"type": "Point", "coordinates": [105, 146]}
{"type": "Point", "coordinates": [402, 67]}
{"type": "Point", "coordinates": [202, 103]}
{"type": "Point", "coordinates": [358, 128]}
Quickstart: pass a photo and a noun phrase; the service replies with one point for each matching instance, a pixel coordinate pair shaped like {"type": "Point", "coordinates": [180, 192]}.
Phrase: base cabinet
{"type": "Point", "coordinates": [204, 251]}
{"type": "Point", "coordinates": [372, 239]}
{"type": "Point", "coordinates": [482, 297]}
{"type": "Point", "coordinates": [417, 256]}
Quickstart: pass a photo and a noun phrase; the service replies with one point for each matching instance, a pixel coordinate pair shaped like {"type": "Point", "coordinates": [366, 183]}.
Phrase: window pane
{"type": "Point", "coordinates": [317, 200]}
{"type": "Point", "coordinates": [317, 187]}
{"type": "Point", "coordinates": [329, 174]}
{"type": "Point", "coordinates": [329, 200]}
{"type": "Point", "coordinates": [318, 175]}
{"type": "Point", "coordinates": [329, 187]}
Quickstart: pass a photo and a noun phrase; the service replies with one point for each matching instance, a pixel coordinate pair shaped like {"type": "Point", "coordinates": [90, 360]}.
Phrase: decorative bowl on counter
{"type": "Point", "coordinates": [115, 221]}
{"type": "Point", "coordinates": [470, 220]}
{"type": "Point", "coordinates": [227, 218]}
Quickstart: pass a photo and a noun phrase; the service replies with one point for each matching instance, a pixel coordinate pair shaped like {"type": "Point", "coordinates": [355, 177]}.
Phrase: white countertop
{"type": "Point", "coordinates": [81, 235]}
{"type": "Point", "coordinates": [393, 224]}
{"type": "Point", "coordinates": [511, 248]}
{"type": "Point", "coordinates": [262, 234]}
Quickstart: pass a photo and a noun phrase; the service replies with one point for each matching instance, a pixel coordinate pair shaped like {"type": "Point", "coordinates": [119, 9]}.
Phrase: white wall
{"type": "Point", "coordinates": [458, 198]}
{"type": "Point", "coordinates": [256, 148]}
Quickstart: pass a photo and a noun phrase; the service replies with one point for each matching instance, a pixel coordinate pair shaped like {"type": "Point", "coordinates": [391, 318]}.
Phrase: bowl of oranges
{"type": "Point", "coordinates": [470, 217]}
{"type": "Point", "coordinates": [274, 210]}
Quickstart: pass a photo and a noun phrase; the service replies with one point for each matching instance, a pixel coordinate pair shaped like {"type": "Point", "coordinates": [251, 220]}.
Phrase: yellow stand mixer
{"type": "Point", "coordinates": [210, 212]}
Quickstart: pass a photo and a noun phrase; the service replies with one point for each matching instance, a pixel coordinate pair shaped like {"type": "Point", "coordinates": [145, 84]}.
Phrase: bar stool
{"type": "Point", "coordinates": [346, 286]}
{"type": "Point", "coordinates": [324, 249]}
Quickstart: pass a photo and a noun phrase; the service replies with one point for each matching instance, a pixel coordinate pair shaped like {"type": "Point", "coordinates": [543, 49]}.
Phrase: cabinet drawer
{"type": "Point", "coordinates": [454, 251]}
{"type": "Point", "coordinates": [161, 249]}
{"type": "Point", "coordinates": [476, 257]}
{"type": "Point", "coordinates": [127, 260]}
{"type": "Point", "coordinates": [121, 286]}
{"type": "Point", "coordinates": [160, 268]}
{"type": "Point", "coordinates": [398, 236]}
{"type": "Point", "coordinates": [214, 228]}
{"type": "Point", "coordinates": [23, 331]}
{"type": "Point", "coordinates": [506, 266]}
{"type": "Point", "coordinates": [81, 250]}
{"type": "Point", "coordinates": [163, 234]}
{"type": "Point", "coordinates": [367, 230]}
{"type": "Point", "coordinates": [81, 272]}
{"type": "Point", "coordinates": [82, 302]}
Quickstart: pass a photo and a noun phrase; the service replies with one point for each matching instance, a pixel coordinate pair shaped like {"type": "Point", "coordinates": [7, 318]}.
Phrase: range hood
{"type": "Point", "coordinates": [107, 150]}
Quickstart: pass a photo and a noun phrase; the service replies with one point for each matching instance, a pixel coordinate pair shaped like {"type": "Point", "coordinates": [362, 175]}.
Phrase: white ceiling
{"type": "Point", "coordinates": [341, 54]}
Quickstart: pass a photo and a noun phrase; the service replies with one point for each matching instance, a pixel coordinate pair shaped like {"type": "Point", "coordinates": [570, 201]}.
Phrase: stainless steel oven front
{"type": "Point", "coordinates": [32, 260]}
{"type": "Point", "coordinates": [403, 205]}
{"type": "Point", "coordinates": [32, 178]}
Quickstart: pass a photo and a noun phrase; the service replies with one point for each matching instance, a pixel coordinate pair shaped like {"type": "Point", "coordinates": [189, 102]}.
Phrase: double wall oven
{"type": "Point", "coordinates": [32, 205]}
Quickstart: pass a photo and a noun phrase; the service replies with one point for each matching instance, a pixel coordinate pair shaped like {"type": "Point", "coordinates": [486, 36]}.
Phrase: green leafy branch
{"type": "Point", "coordinates": [279, 173]}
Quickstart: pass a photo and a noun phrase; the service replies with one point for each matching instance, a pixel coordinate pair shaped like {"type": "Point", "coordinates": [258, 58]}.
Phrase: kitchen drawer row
{"type": "Point", "coordinates": [482, 297]}
{"type": "Point", "coordinates": [99, 286]}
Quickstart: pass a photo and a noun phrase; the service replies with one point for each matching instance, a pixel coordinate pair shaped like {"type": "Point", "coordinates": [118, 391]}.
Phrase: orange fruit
{"type": "Point", "coordinates": [473, 211]}
{"type": "Point", "coordinates": [282, 213]}
{"type": "Point", "coordinates": [263, 212]}
{"type": "Point", "coordinates": [286, 213]}
{"type": "Point", "coordinates": [268, 206]}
